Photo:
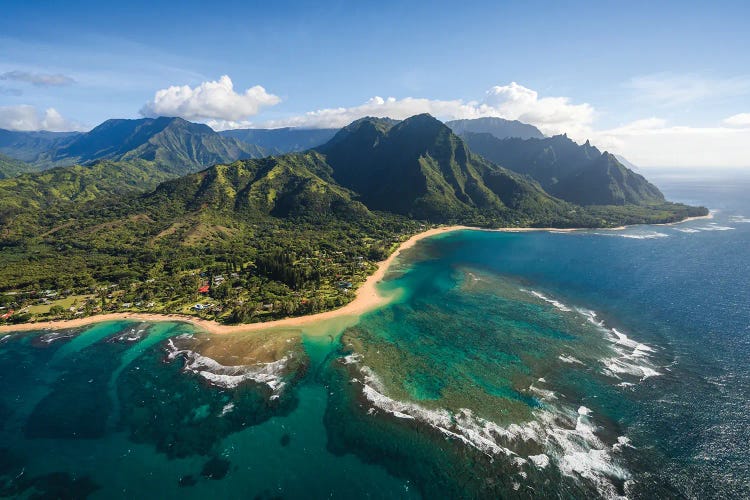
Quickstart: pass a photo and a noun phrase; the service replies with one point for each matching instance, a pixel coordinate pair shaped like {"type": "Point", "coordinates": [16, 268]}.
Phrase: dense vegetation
{"type": "Point", "coordinates": [10, 167]}
{"type": "Point", "coordinates": [580, 174]}
{"type": "Point", "coordinates": [259, 239]}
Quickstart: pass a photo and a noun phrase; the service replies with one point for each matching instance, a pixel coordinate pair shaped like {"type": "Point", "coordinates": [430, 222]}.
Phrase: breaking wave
{"type": "Point", "coordinates": [713, 226]}
{"type": "Point", "coordinates": [270, 374]}
{"type": "Point", "coordinates": [558, 434]}
{"type": "Point", "coordinates": [629, 357]}
{"type": "Point", "coordinates": [643, 235]}
{"type": "Point", "coordinates": [559, 305]}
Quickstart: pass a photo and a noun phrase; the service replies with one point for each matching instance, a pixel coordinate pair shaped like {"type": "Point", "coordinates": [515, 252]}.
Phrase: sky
{"type": "Point", "coordinates": [666, 84]}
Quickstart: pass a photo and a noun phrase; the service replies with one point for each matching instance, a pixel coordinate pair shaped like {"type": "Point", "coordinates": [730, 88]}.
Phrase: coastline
{"type": "Point", "coordinates": [367, 296]}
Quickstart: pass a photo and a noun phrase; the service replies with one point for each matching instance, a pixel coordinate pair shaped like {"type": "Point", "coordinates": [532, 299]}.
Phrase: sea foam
{"type": "Point", "coordinates": [270, 374]}
{"type": "Point", "coordinates": [713, 226]}
{"type": "Point", "coordinates": [559, 305]}
{"type": "Point", "coordinates": [566, 436]}
{"type": "Point", "coordinates": [630, 357]}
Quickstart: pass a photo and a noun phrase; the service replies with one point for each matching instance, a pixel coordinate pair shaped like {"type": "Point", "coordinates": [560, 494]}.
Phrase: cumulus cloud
{"type": "Point", "coordinates": [38, 79]}
{"type": "Point", "coordinates": [666, 89]}
{"type": "Point", "coordinates": [26, 118]}
{"type": "Point", "coordinates": [738, 120]}
{"type": "Point", "coordinates": [216, 100]}
{"type": "Point", "coordinates": [553, 115]}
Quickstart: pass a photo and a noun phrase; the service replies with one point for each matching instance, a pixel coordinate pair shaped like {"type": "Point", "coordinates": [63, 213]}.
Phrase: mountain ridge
{"type": "Point", "coordinates": [420, 168]}
{"type": "Point", "coordinates": [580, 174]}
{"type": "Point", "coordinates": [498, 127]}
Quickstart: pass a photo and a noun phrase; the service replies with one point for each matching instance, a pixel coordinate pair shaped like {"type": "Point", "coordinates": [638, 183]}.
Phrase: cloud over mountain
{"type": "Point", "coordinates": [215, 100]}
{"type": "Point", "coordinates": [552, 115]}
{"type": "Point", "coordinates": [25, 117]}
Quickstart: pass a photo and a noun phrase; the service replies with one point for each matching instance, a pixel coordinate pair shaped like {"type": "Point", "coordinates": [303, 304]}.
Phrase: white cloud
{"type": "Point", "coordinates": [647, 142]}
{"type": "Point", "coordinates": [38, 79]}
{"type": "Point", "coordinates": [214, 100]}
{"type": "Point", "coordinates": [666, 89]}
{"type": "Point", "coordinates": [738, 120]}
{"type": "Point", "coordinates": [25, 118]}
{"type": "Point", "coordinates": [553, 115]}
{"type": "Point", "coordinates": [652, 142]}
{"type": "Point", "coordinates": [229, 124]}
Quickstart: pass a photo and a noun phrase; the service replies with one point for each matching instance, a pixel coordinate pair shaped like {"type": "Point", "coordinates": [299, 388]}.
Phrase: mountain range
{"type": "Point", "coordinates": [418, 167]}
{"type": "Point", "coordinates": [173, 144]}
{"type": "Point", "coordinates": [580, 174]}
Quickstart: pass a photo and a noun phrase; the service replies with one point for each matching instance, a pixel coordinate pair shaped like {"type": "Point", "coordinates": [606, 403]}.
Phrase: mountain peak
{"type": "Point", "coordinates": [173, 143]}
{"type": "Point", "coordinates": [419, 167]}
{"type": "Point", "coordinates": [423, 121]}
{"type": "Point", "coordinates": [580, 174]}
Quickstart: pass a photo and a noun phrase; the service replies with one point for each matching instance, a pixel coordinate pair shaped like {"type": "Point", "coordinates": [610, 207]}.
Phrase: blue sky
{"type": "Point", "coordinates": [658, 81]}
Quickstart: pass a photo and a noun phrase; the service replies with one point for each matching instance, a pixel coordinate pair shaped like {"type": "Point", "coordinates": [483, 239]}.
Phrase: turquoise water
{"type": "Point", "coordinates": [512, 364]}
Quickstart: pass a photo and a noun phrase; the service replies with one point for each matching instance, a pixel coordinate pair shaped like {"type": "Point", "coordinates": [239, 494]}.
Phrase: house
{"type": "Point", "coordinates": [199, 307]}
{"type": "Point", "coordinates": [7, 315]}
{"type": "Point", "coordinates": [204, 289]}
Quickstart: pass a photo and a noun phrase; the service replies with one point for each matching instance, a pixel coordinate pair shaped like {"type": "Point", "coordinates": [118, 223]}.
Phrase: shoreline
{"type": "Point", "coordinates": [367, 296]}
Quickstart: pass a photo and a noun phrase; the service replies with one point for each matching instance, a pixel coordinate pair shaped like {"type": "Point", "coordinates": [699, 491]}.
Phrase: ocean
{"type": "Point", "coordinates": [597, 363]}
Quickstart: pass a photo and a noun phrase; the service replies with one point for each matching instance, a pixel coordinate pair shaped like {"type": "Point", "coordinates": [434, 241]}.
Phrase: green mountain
{"type": "Point", "coordinates": [420, 168]}
{"type": "Point", "coordinates": [10, 167]}
{"type": "Point", "coordinates": [29, 146]}
{"type": "Point", "coordinates": [61, 187]}
{"type": "Point", "coordinates": [119, 157]}
{"type": "Point", "coordinates": [282, 140]}
{"type": "Point", "coordinates": [580, 174]}
{"type": "Point", "coordinates": [499, 127]}
{"type": "Point", "coordinates": [176, 145]}
{"type": "Point", "coordinates": [292, 185]}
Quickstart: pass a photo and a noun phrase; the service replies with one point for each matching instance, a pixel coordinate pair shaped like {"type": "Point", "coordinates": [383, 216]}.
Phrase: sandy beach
{"type": "Point", "coordinates": [367, 296]}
